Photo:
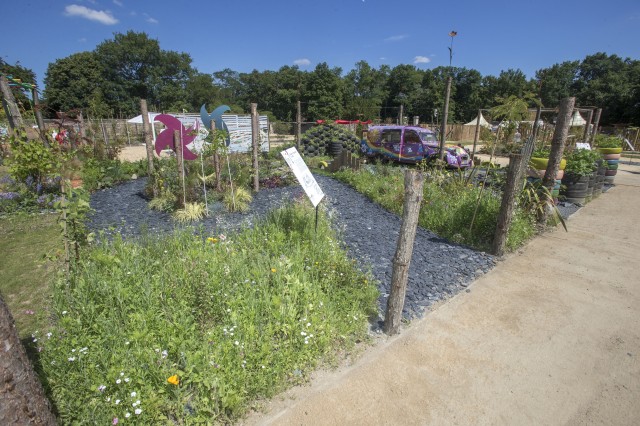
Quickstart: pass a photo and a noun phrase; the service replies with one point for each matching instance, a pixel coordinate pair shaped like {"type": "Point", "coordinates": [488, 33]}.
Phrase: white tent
{"type": "Point", "coordinates": [138, 120]}
{"type": "Point", "coordinates": [577, 119]}
{"type": "Point", "coordinates": [483, 122]}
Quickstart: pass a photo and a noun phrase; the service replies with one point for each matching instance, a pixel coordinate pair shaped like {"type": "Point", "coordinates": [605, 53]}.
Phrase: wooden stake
{"type": "Point", "coordinates": [37, 112]}
{"type": "Point", "coordinates": [445, 116]}
{"type": "Point", "coordinates": [585, 135]}
{"type": "Point", "coordinates": [595, 126]}
{"type": "Point", "coordinates": [148, 140]}
{"type": "Point", "coordinates": [558, 141]}
{"type": "Point", "coordinates": [177, 144]}
{"type": "Point", "coordinates": [512, 187]}
{"type": "Point", "coordinates": [255, 141]}
{"type": "Point", "coordinates": [413, 192]}
{"type": "Point", "coordinates": [9, 103]}
{"type": "Point", "coordinates": [299, 125]}
{"type": "Point", "coordinates": [216, 162]}
{"type": "Point", "coordinates": [476, 136]}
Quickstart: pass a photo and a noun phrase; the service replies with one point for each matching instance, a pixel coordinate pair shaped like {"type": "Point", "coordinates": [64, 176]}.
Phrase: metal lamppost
{"type": "Point", "coordinates": [445, 116]}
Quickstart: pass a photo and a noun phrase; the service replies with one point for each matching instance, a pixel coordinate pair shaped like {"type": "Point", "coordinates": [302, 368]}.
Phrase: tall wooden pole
{"type": "Point", "coordinates": [512, 188]}
{"type": "Point", "coordinates": [585, 136]}
{"type": "Point", "coordinates": [413, 192]}
{"type": "Point", "coordinates": [401, 115]}
{"type": "Point", "coordinates": [216, 160]}
{"type": "Point", "coordinates": [148, 141]}
{"type": "Point", "coordinates": [445, 116]}
{"type": "Point", "coordinates": [177, 144]}
{"type": "Point", "coordinates": [476, 136]}
{"type": "Point", "coordinates": [255, 141]}
{"type": "Point", "coordinates": [9, 102]}
{"type": "Point", "coordinates": [595, 125]}
{"type": "Point", "coordinates": [563, 122]}
{"type": "Point", "coordinates": [298, 124]}
{"type": "Point", "coordinates": [36, 110]}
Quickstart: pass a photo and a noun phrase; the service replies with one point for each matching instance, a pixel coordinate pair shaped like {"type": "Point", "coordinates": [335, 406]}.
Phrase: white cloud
{"type": "Point", "coordinates": [102, 16]}
{"type": "Point", "coordinates": [396, 37]}
{"type": "Point", "coordinates": [303, 62]}
{"type": "Point", "coordinates": [82, 40]}
{"type": "Point", "coordinates": [118, 3]}
{"type": "Point", "coordinates": [421, 60]}
{"type": "Point", "coordinates": [149, 19]}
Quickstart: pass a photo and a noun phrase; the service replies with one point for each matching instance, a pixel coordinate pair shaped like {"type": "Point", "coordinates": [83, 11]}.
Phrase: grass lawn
{"type": "Point", "coordinates": [25, 241]}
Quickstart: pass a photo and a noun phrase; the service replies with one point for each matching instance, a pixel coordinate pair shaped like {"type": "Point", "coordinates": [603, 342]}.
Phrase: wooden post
{"type": "Point", "coordinates": [445, 116]}
{"type": "Point", "coordinates": [413, 192]}
{"type": "Point", "coordinates": [401, 115]}
{"type": "Point", "coordinates": [585, 135]}
{"type": "Point", "coordinates": [36, 110]}
{"type": "Point", "coordinates": [216, 162]}
{"type": "Point", "coordinates": [298, 125]}
{"type": "Point", "coordinates": [83, 131]}
{"type": "Point", "coordinates": [512, 187]}
{"type": "Point", "coordinates": [595, 126]}
{"type": "Point", "coordinates": [177, 144]}
{"type": "Point", "coordinates": [9, 102]}
{"type": "Point", "coordinates": [558, 141]}
{"type": "Point", "coordinates": [255, 141]}
{"type": "Point", "coordinates": [148, 140]}
{"type": "Point", "coordinates": [476, 136]}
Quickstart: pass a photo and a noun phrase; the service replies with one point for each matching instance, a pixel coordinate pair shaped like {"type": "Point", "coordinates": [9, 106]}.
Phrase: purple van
{"type": "Point", "coordinates": [410, 144]}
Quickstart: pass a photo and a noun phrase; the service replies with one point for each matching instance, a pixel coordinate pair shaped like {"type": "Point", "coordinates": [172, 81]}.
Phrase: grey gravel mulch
{"type": "Point", "coordinates": [438, 269]}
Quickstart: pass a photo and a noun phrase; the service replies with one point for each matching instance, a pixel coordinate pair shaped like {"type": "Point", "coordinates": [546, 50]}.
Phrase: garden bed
{"type": "Point", "coordinates": [438, 270]}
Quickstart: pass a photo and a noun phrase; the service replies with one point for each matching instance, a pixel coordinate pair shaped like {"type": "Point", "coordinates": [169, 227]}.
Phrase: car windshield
{"type": "Point", "coordinates": [428, 137]}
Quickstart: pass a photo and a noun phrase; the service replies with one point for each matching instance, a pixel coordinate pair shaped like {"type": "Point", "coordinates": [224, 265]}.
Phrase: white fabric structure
{"type": "Point", "coordinates": [483, 122]}
{"type": "Point", "coordinates": [577, 119]}
{"type": "Point", "coordinates": [138, 120]}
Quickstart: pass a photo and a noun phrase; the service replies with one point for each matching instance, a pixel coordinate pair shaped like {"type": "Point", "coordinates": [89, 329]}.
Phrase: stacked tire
{"type": "Point", "coordinates": [612, 157]}
{"type": "Point", "coordinates": [327, 139]}
{"type": "Point", "coordinates": [537, 169]}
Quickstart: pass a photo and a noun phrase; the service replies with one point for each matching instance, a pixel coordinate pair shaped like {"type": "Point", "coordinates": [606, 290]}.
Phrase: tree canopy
{"type": "Point", "coordinates": [110, 80]}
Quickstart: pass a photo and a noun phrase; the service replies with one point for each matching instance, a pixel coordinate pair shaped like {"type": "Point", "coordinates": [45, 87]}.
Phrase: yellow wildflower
{"type": "Point", "coordinates": [174, 380]}
{"type": "Point", "coordinates": [212, 240]}
{"type": "Point", "coordinates": [273, 269]}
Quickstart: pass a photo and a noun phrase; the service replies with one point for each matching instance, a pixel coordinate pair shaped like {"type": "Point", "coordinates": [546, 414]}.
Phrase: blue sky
{"type": "Point", "coordinates": [493, 35]}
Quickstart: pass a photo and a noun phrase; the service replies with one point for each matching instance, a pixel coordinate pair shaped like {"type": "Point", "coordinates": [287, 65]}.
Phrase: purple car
{"type": "Point", "coordinates": [410, 144]}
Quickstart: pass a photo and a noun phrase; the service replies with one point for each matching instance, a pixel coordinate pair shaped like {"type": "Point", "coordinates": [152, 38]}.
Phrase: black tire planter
{"type": "Point", "coordinates": [335, 148]}
{"type": "Point", "coordinates": [576, 188]}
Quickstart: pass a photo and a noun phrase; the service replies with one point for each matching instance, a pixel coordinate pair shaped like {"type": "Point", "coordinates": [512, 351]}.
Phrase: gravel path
{"type": "Point", "coordinates": [438, 269]}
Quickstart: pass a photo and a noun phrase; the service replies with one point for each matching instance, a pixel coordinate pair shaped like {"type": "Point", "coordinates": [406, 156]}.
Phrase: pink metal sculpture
{"type": "Point", "coordinates": [165, 138]}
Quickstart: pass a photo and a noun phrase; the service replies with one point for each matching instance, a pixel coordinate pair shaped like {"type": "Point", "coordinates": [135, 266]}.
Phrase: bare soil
{"type": "Point", "coordinates": [549, 336]}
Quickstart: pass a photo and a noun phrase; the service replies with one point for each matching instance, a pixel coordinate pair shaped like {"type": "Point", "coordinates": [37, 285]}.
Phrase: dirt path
{"type": "Point", "coordinates": [550, 336]}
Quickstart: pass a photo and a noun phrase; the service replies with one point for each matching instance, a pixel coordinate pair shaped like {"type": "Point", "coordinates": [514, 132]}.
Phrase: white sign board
{"type": "Point", "coordinates": [303, 174]}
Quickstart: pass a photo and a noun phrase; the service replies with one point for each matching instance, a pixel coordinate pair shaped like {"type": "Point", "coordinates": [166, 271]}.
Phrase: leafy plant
{"type": "Point", "coordinates": [604, 141]}
{"type": "Point", "coordinates": [73, 208]}
{"type": "Point", "coordinates": [194, 329]}
{"type": "Point", "coordinates": [582, 162]}
{"type": "Point", "coordinates": [190, 213]}
{"type": "Point", "coordinates": [164, 202]}
{"type": "Point", "coordinates": [33, 158]}
{"type": "Point", "coordinates": [237, 200]}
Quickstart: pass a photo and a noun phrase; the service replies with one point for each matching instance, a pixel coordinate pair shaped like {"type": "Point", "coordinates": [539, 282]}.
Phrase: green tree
{"type": "Point", "coordinates": [75, 82]}
{"type": "Point", "coordinates": [26, 76]}
{"type": "Point", "coordinates": [134, 67]}
{"type": "Point", "coordinates": [324, 93]}
{"type": "Point", "coordinates": [364, 91]}
{"type": "Point", "coordinates": [557, 82]}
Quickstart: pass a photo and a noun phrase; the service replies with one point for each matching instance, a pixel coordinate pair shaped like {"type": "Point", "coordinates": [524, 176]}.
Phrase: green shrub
{"type": "Point", "coordinates": [581, 162]}
{"type": "Point", "coordinates": [229, 319]}
{"type": "Point", "coordinates": [237, 199]}
{"type": "Point", "coordinates": [448, 208]}
{"type": "Point", "coordinates": [605, 141]}
{"type": "Point", "coordinates": [191, 212]}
